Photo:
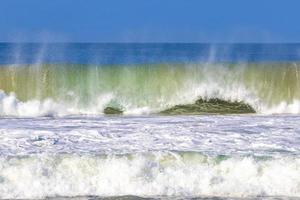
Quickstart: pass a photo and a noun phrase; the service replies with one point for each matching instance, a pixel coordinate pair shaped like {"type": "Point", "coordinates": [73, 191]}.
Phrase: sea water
{"type": "Point", "coordinates": [57, 142]}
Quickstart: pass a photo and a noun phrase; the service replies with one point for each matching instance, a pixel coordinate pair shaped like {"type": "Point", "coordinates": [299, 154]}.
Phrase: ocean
{"type": "Point", "coordinates": [149, 121]}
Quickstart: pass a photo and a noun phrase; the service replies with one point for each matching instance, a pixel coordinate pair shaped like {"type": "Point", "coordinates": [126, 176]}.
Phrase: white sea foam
{"type": "Point", "coordinates": [151, 174]}
{"type": "Point", "coordinates": [283, 108]}
{"type": "Point", "coordinates": [238, 156]}
{"type": "Point", "coordinates": [212, 135]}
{"type": "Point", "coordinates": [11, 106]}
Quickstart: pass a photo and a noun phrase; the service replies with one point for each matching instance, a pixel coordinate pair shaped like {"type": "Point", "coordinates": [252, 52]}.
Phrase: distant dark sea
{"type": "Point", "coordinates": [133, 53]}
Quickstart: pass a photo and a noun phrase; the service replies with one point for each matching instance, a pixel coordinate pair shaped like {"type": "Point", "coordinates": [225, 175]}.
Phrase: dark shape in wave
{"type": "Point", "coordinates": [112, 111]}
{"type": "Point", "coordinates": [210, 106]}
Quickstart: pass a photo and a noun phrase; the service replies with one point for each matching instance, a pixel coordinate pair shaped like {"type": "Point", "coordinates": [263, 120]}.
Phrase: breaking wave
{"type": "Point", "coordinates": [41, 90]}
{"type": "Point", "coordinates": [148, 174]}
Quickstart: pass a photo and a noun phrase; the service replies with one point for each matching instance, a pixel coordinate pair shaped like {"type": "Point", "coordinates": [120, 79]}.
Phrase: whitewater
{"type": "Point", "coordinates": [185, 121]}
{"type": "Point", "coordinates": [60, 90]}
{"type": "Point", "coordinates": [188, 156]}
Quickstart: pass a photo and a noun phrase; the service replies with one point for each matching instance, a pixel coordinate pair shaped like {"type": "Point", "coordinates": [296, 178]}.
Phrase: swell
{"type": "Point", "coordinates": [148, 174]}
{"type": "Point", "coordinates": [143, 89]}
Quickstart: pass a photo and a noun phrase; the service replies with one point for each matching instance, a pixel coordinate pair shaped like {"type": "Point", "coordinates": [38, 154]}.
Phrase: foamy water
{"type": "Point", "coordinates": [229, 156]}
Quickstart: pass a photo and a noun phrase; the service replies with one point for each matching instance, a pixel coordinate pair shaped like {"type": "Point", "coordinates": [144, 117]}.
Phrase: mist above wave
{"type": "Point", "coordinates": [143, 89]}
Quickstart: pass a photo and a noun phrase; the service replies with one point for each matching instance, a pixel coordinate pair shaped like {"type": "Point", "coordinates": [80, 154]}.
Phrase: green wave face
{"type": "Point", "coordinates": [154, 87]}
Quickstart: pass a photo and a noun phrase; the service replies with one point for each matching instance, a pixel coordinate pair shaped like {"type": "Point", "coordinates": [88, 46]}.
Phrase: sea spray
{"type": "Point", "coordinates": [89, 89]}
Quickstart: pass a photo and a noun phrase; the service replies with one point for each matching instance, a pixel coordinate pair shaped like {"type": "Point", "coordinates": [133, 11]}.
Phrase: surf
{"type": "Point", "coordinates": [66, 89]}
{"type": "Point", "coordinates": [184, 174]}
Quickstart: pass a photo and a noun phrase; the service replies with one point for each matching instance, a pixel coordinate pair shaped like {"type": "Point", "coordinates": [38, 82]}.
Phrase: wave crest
{"type": "Point", "coordinates": [143, 89]}
{"type": "Point", "coordinates": [149, 174]}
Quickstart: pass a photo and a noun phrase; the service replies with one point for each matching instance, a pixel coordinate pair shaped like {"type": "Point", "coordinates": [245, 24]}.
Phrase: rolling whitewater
{"type": "Point", "coordinates": [139, 121]}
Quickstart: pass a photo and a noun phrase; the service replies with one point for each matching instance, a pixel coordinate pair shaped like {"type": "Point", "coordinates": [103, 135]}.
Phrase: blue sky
{"type": "Point", "coordinates": [150, 20]}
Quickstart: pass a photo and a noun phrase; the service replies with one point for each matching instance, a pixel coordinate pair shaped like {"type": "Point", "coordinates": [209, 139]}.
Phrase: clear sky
{"type": "Point", "coordinates": [150, 20]}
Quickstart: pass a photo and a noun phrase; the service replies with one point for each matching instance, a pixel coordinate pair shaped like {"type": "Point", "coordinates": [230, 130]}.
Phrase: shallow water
{"type": "Point", "coordinates": [262, 135]}
{"type": "Point", "coordinates": [150, 156]}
